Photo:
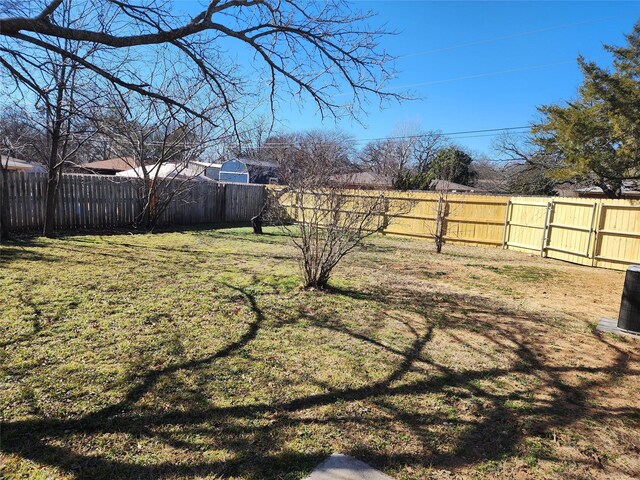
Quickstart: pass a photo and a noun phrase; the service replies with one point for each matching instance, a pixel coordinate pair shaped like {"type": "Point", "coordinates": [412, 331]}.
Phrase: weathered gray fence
{"type": "Point", "coordinates": [103, 201]}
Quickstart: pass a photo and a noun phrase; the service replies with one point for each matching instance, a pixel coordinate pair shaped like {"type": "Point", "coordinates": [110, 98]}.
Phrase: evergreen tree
{"type": "Point", "coordinates": [597, 137]}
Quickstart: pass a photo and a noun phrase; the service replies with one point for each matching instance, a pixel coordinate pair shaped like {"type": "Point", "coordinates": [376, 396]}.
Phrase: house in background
{"type": "Point", "coordinates": [110, 166]}
{"type": "Point", "coordinates": [210, 170]}
{"type": "Point", "coordinates": [16, 165]}
{"type": "Point", "coordinates": [452, 187]}
{"type": "Point", "coordinates": [630, 189]}
{"type": "Point", "coordinates": [167, 170]}
{"type": "Point", "coordinates": [240, 170]}
{"type": "Point", "coordinates": [234, 171]}
{"type": "Point", "coordinates": [247, 170]}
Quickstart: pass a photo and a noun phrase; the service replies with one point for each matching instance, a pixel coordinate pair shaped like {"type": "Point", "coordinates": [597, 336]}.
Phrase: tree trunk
{"type": "Point", "coordinates": [50, 205]}
{"type": "Point", "coordinates": [612, 189]}
{"type": "Point", "coordinates": [439, 235]}
{"type": "Point", "coordinates": [4, 206]}
{"type": "Point", "coordinates": [256, 223]}
{"type": "Point", "coordinates": [149, 204]}
{"type": "Point", "coordinates": [54, 168]}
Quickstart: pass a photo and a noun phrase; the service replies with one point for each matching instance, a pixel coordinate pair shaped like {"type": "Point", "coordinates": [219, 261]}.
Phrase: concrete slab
{"type": "Point", "coordinates": [344, 467]}
{"type": "Point", "coordinates": [611, 326]}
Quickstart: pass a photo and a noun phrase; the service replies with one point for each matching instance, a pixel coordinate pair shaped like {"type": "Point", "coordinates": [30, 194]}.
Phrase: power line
{"type": "Point", "coordinates": [448, 134]}
{"type": "Point", "coordinates": [487, 132]}
{"type": "Point", "coordinates": [487, 74]}
{"type": "Point", "coordinates": [509, 37]}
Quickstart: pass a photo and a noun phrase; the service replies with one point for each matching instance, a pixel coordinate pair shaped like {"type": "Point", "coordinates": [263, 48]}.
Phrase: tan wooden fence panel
{"type": "Point", "coordinates": [525, 223]}
{"type": "Point", "coordinates": [469, 219]}
{"type": "Point", "coordinates": [570, 230]}
{"type": "Point", "coordinates": [594, 232]}
{"type": "Point", "coordinates": [617, 236]}
{"type": "Point", "coordinates": [475, 219]}
{"type": "Point", "coordinates": [411, 214]}
{"type": "Point", "coordinates": [101, 201]}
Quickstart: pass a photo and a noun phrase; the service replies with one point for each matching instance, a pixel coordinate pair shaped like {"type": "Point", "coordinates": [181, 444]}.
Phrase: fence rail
{"type": "Point", "coordinates": [600, 233]}
{"type": "Point", "coordinates": [103, 201]}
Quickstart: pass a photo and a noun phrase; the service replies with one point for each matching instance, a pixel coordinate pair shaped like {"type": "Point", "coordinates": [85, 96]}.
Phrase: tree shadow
{"type": "Point", "coordinates": [22, 250]}
{"type": "Point", "coordinates": [254, 435]}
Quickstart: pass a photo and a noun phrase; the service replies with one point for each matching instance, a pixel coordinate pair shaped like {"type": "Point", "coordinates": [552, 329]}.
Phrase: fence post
{"type": "Point", "coordinates": [223, 206]}
{"type": "Point", "coordinates": [591, 228]}
{"type": "Point", "coordinates": [598, 227]}
{"type": "Point", "coordinates": [505, 238]}
{"type": "Point", "coordinates": [385, 212]}
{"type": "Point", "coordinates": [545, 230]}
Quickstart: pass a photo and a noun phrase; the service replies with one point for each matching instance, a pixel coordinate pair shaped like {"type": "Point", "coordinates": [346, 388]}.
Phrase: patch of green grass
{"type": "Point", "coordinates": [196, 354]}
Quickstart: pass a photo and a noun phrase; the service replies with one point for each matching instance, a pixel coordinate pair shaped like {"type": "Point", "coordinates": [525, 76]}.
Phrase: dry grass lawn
{"type": "Point", "coordinates": [196, 355]}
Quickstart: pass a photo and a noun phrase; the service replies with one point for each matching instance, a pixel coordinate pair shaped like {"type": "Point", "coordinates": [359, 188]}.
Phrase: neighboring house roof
{"type": "Point", "coordinates": [630, 188]}
{"type": "Point", "coordinates": [491, 185]}
{"type": "Point", "coordinates": [257, 163]}
{"type": "Point", "coordinates": [118, 164]}
{"type": "Point", "coordinates": [563, 190]}
{"type": "Point", "coordinates": [15, 164]}
{"type": "Point", "coordinates": [205, 164]}
{"type": "Point", "coordinates": [167, 170]}
{"type": "Point", "coordinates": [447, 186]}
{"type": "Point", "coordinates": [362, 179]}
{"type": "Point", "coordinates": [234, 166]}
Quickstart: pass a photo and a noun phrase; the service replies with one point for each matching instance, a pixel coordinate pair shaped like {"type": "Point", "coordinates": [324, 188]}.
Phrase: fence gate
{"type": "Point", "coordinates": [570, 230]}
{"type": "Point", "coordinates": [617, 235]}
{"type": "Point", "coordinates": [526, 225]}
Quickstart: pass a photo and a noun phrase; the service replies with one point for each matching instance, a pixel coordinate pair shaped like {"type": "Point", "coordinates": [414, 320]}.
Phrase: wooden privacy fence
{"type": "Point", "coordinates": [103, 201]}
{"type": "Point", "coordinates": [600, 233]}
{"type": "Point", "coordinates": [594, 232]}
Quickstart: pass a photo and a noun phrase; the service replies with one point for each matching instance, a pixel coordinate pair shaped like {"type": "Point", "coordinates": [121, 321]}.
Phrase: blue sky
{"type": "Point", "coordinates": [482, 65]}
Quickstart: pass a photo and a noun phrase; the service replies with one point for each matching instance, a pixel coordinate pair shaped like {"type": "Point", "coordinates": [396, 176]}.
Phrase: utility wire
{"type": "Point", "coordinates": [487, 132]}
{"type": "Point", "coordinates": [482, 75]}
{"type": "Point", "coordinates": [509, 37]}
{"type": "Point", "coordinates": [448, 134]}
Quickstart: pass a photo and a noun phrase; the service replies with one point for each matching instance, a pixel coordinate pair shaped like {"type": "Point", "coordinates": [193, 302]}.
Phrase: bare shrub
{"type": "Point", "coordinates": [324, 221]}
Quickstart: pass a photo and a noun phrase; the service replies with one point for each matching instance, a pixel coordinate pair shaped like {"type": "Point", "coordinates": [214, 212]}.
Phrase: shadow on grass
{"type": "Point", "coordinates": [254, 435]}
{"type": "Point", "coordinates": [23, 250]}
{"type": "Point", "coordinates": [28, 235]}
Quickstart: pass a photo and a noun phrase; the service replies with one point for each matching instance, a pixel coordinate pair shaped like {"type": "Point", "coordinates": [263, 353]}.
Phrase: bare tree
{"type": "Point", "coordinates": [426, 146]}
{"type": "Point", "coordinates": [406, 153]}
{"type": "Point", "coordinates": [491, 175]}
{"type": "Point", "coordinates": [52, 90]}
{"type": "Point", "coordinates": [445, 170]}
{"type": "Point", "coordinates": [445, 173]}
{"type": "Point", "coordinates": [325, 51]}
{"type": "Point", "coordinates": [64, 134]}
{"type": "Point", "coordinates": [324, 222]}
{"type": "Point", "coordinates": [247, 143]}
{"type": "Point", "coordinates": [322, 51]}
{"type": "Point", "coordinates": [159, 142]}
{"type": "Point", "coordinates": [14, 143]}
{"type": "Point", "coordinates": [528, 170]}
